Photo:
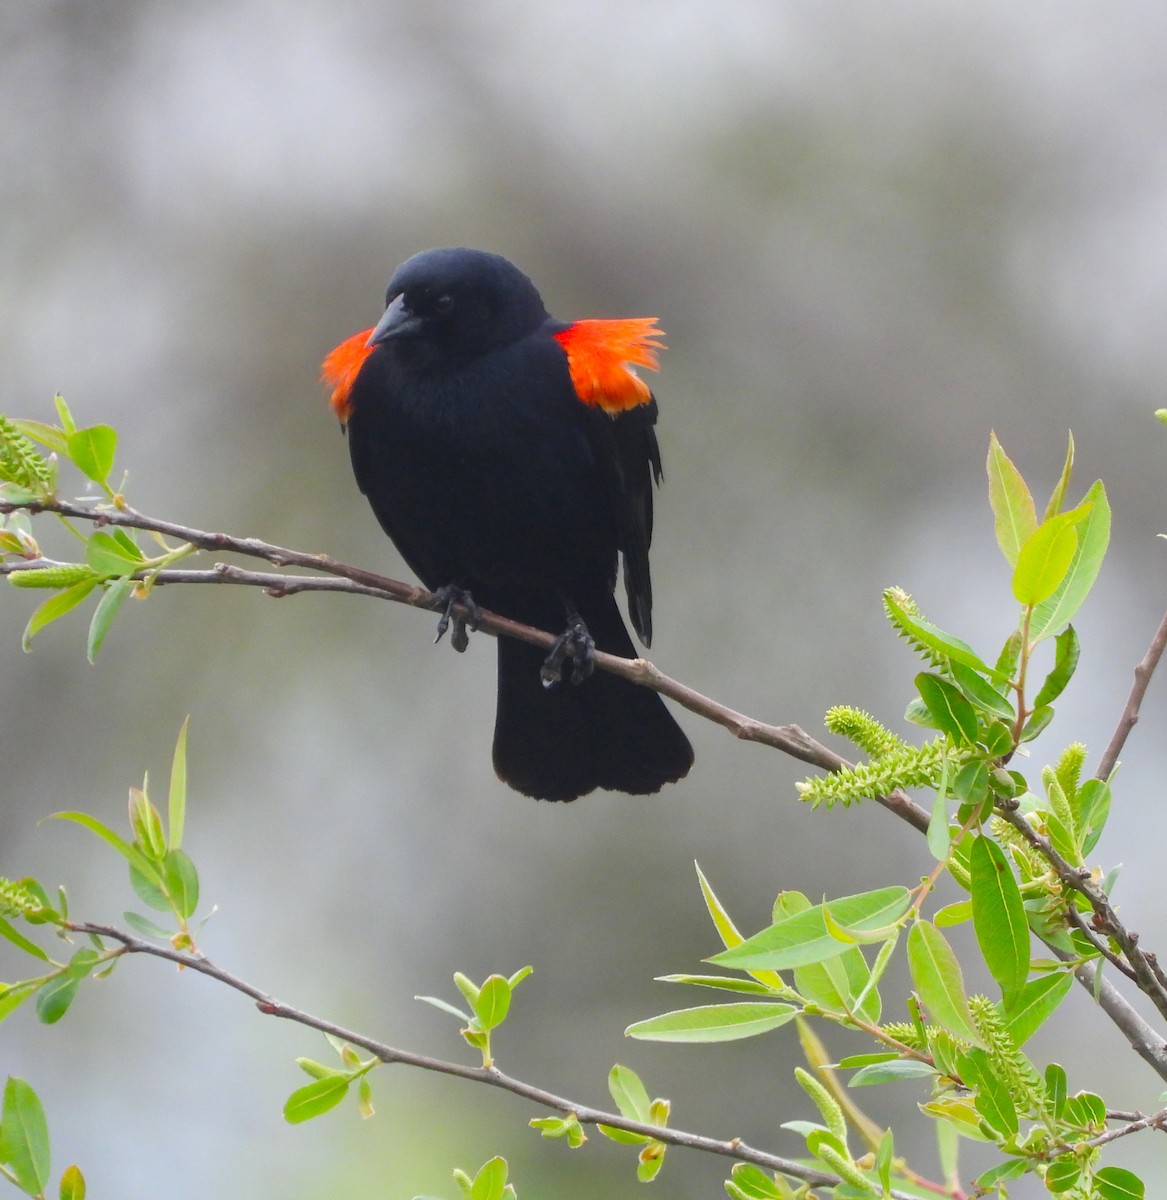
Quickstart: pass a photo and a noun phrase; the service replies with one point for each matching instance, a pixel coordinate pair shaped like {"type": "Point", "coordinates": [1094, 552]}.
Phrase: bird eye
{"type": "Point", "coordinates": [444, 303]}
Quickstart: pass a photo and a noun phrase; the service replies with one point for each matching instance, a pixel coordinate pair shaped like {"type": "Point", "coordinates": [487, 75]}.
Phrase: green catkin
{"type": "Point", "coordinates": [874, 739]}
{"type": "Point", "coordinates": [16, 900]}
{"type": "Point", "coordinates": [20, 463]}
{"type": "Point", "coordinates": [1069, 769]}
{"type": "Point", "coordinates": [1009, 1062]}
{"type": "Point", "coordinates": [907, 767]}
{"type": "Point", "coordinates": [62, 575]}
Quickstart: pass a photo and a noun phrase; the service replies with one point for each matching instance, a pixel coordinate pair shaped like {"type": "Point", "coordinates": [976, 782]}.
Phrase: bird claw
{"type": "Point", "coordinates": [575, 643]}
{"type": "Point", "coordinates": [445, 599]}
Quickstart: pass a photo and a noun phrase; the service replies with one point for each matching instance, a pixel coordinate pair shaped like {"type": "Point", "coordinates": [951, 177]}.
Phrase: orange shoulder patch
{"type": "Point", "coordinates": [339, 371]}
{"type": "Point", "coordinates": [602, 355]}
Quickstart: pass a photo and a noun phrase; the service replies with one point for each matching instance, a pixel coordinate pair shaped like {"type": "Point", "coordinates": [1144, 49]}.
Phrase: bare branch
{"type": "Point", "coordinates": [790, 739]}
{"type": "Point", "coordinates": [734, 1148]}
{"type": "Point", "coordinates": [1130, 714]}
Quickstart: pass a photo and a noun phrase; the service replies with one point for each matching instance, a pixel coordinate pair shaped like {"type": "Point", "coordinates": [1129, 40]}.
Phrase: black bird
{"type": "Point", "coordinates": [511, 457]}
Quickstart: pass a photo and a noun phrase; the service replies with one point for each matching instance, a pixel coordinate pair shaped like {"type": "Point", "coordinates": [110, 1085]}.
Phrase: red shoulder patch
{"type": "Point", "coordinates": [340, 368]}
{"type": "Point", "coordinates": [602, 355]}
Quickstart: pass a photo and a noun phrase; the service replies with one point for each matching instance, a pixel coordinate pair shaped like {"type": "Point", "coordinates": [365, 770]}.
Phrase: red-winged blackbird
{"type": "Point", "coordinates": [510, 456]}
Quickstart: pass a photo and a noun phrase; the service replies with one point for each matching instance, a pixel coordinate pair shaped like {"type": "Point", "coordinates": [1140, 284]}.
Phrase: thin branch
{"type": "Point", "coordinates": [1130, 714]}
{"type": "Point", "coordinates": [790, 739]}
{"type": "Point", "coordinates": [734, 1148]}
{"type": "Point", "coordinates": [1136, 1125]}
{"type": "Point", "coordinates": [1147, 972]}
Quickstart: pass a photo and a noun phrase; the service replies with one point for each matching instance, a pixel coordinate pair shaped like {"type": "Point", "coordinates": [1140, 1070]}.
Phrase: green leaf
{"type": "Point", "coordinates": [894, 1071]}
{"type": "Point", "coordinates": [176, 801]}
{"type": "Point", "coordinates": [1012, 1168]}
{"type": "Point", "coordinates": [108, 556]}
{"type": "Point", "coordinates": [1062, 1174]}
{"type": "Point", "coordinates": [107, 609]}
{"type": "Point", "coordinates": [315, 1098]}
{"type": "Point", "coordinates": [726, 983]}
{"type": "Point", "coordinates": [937, 978]}
{"type": "Point", "coordinates": [72, 1184]}
{"type": "Point", "coordinates": [1045, 558]}
{"type": "Point", "coordinates": [18, 939]}
{"type": "Point", "coordinates": [55, 607]}
{"type": "Point", "coordinates": [490, 1181]}
{"type": "Point", "coordinates": [48, 435]}
{"type": "Point", "coordinates": [999, 917]}
{"type": "Point", "coordinates": [992, 1100]}
{"type": "Point", "coordinates": [805, 938]}
{"type": "Point", "coordinates": [24, 1135]}
{"type": "Point", "coordinates": [1014, 515]}
{"type": "Point", "coordinates": [1065, 664]}
{"type": "Point", "coordinates": [939, 833]}
{"type": "Point", "coordinates": [982, 694]}
{"type": "Point", "coordinates": [726, 930]}
{"type": "Point", "coordinates": [955, 913]}
{"type": "Point", "coordinates": [1091, 810]}
{"type": "Point", "coordinates": [712, 1023]}
{"type": "Point", "coordinates": [1035, 1003]}
{"type": "Point", "coordinates": [629, 1093]}
{"type": "Point", "coordinates": [441, 1004]}
{"type": "Point", "coordinates": [13, 995]}
{"type": "Point", "coordinates": [834, 985]}
{"type": "Point", "coordinates": [953, 714]}
{"type": "Point", "coordinates": [1059, 493]}
{"type": "Point", "coordinates": [753, 1183]}
{"type": "Point", "coordinates": [1059, 609]}
{"type": "Point", "coordinates": [940, 643]}
{"type": "Point", "coordinates": [55, 997]}
{"type": "Point", "coordinates": [1055, 1088]}
{"type": "Point", "coordinates": [959, 1115]}
{"type": "Point", "coordinates": [146, 823]}
{"type": "Point", "coordinates": [884, 1157]}
{"type": "Point", "coordinates": [1039, 719]}
{"type": "Point", "coordinates": [493, 1002]}
{"type": "Point", "coordinates": [68, 425]}
{"type": "Point", "coordinates": [518, 977]}
{"type": "Point", "coordinates": [467, 987]}
{"type": "Point", "coordinates": [650, 1161]}
{"type": "Point", "coordinates": [622, 1136]}
{"type": "Point", "coordinates": [182, 882]}
{"type": "Point", "coordinates": [1087, 1111]}
{"type": "Point", "coordinates": [1117, 1183]}
{"type": "Point", "coordinates": [92, 451]}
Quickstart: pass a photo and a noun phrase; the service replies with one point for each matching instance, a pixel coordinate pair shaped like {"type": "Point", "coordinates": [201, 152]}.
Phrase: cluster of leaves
{"type": "Point", "coordinates": [490, 1183]}
{"type": "Point", "coordinates": [165, 878]}
{"type": "Point", "coordinates": [982, 713]}
{"type": "Point", "coordinates": [1006, 843]}
{"type": "Point", "coordinates": [24, 1145]}
{"type": "Point", "coordinates": [114, 564]}
{"type": "Point", "coordinates": [812, 961]}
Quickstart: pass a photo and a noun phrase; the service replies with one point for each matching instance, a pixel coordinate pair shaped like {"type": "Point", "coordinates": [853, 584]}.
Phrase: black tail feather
{"type": "Point", "coordinates": [561, 742]}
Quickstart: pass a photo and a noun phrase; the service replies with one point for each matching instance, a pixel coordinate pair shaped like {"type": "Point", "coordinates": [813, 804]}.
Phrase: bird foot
{"type": "Point", "coordinates": [576, 643]}
{"type": "Point", "coordinates": [445, 599]}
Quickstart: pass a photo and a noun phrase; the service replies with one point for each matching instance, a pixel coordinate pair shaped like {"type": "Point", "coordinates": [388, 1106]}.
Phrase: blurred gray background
{"type": "Point", "coordinates": [872, 233]}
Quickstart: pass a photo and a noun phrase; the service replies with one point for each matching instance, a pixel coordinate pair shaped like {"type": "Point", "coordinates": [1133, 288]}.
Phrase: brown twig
{"type": "Point", "coordinates": [1147, 972]}
{"type": "Point", "coordinates": [1130, 713]}
{"type": "Point", "coordinates": [1135, 1124]}
{"type": "Point", "coordinates": [790, 739]}
{"type": "Point", "coordinates": [733, 1148]}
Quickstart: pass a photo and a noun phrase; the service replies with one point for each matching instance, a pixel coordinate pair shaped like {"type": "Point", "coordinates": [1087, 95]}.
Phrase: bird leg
{"type": "Point", "coordinates": [576, 643]}
{"type": "Point", "coordinates": [445, 598]}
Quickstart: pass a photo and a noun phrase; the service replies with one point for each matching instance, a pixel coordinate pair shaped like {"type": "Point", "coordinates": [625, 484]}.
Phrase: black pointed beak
{"type": "Point", "coordinates": [397, 322]}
